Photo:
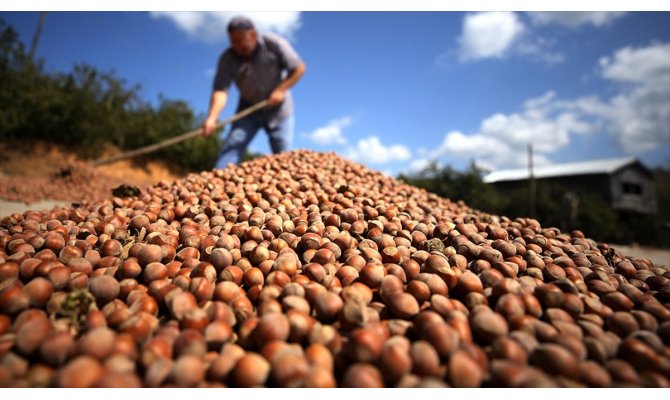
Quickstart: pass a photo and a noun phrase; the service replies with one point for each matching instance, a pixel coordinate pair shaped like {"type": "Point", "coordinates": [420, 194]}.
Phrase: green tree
{"type": "Point", "coordinates": [88, 110]}
{"type": "Point", "coordinates": [448, 182]}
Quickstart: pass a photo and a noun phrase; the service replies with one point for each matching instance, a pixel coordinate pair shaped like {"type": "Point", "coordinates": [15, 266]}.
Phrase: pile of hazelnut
{"type": "Point", "coordinates": [307, 270]}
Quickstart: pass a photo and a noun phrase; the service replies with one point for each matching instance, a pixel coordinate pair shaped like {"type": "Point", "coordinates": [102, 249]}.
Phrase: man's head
{"type": "Point", "coordinates": [243, 36]}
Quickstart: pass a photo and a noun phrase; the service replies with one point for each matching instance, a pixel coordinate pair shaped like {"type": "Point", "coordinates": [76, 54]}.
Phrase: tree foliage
{"type": "Point", "coordinates": [88, 109]}
{"type": "Point", "coordinates": [449, 182]}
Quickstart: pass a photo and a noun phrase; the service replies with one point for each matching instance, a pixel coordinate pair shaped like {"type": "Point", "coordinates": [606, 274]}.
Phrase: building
{"type": "Point", "coordinates": [624, 183]}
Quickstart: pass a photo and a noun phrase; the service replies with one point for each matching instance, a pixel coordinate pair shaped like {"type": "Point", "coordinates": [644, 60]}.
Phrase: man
{"type": "Point", "coordinates": [257, 64]}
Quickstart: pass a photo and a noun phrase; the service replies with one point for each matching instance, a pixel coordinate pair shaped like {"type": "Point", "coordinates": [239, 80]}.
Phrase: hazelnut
{"type": "Point", "coordinates": [31, 334]}
{"type": "Point", "coordinates": [327, 306]}
{"type": "Point", "coordinates": [97, 343]}
{"type": "Point", "coordinates": [251, 370]}
{"type": "Point", "coordinates": [188, 371]}
{"type": "Point", "coordinates": [104, 288]}
{"type": "Point", "coordinates": [463, 371]}
{"type": "Point", "coordinates": [362, 375]}
{"type": "Point", "coordinates": [80, 372]}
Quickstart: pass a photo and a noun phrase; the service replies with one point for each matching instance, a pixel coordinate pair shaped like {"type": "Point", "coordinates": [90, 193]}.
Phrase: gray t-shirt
{"type": "Point", "coordinates": [257, 77]}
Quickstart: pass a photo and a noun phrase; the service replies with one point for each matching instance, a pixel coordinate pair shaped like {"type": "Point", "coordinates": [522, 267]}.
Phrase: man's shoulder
{"type": "Point", "coordinates": [274, 40]}
{"type": "Point", "coordinates": [272, 36]}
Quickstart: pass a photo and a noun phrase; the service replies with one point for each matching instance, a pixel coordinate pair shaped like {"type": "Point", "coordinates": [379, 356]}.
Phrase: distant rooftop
{"type": "Point", "coordinates": [605, 166]}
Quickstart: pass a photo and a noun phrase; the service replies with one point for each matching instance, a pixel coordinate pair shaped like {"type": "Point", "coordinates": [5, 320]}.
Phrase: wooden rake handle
{"type": "Point", "coordinates": [177, 139]}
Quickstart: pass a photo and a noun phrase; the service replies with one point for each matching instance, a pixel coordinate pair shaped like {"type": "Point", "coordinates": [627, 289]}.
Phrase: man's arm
{"type": "Point", "coordinates": [278, 95]}
{"type": "Point", "coordinates": [216, 105]}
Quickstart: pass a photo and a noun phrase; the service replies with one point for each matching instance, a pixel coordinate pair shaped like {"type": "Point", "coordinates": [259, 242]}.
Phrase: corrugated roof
{"type": "Point", "coordinates": [604, 166]}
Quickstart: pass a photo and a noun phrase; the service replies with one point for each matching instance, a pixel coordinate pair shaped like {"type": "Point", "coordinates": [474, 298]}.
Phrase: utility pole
{"type": "Point", "coordinates": [38, 33]}
{"type": "Point", "coordinates": [531, 182]}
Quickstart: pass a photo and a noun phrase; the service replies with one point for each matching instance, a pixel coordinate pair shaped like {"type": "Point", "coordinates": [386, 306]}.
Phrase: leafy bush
{"type": "Point", "coordinates": [467, 186]}
{"type": "Point", "coordinates": [88, 109]}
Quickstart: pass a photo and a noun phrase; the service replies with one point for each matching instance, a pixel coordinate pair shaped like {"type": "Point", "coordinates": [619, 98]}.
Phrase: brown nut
{"type": "Point", "coordinates": [443, 338]}
{"type": "Point", "coordinates": [224, 364]}
{"type": "Point", "coordinates": [365, 345]}
{"type": "Point", "coordinates": [508, 349]}
{"type": "Point", "coordinates": [149, 253]}
{"type": "Point", "coordinates": [395, 362]}
{"type": "Point", "coordinates": [594, 375]}
{"type": "Point", "coordinates": [80, 372]}
{"type": "Point", "coordinates": [188, 371]}
{"type": "Point", "coordinates": [468, 283]}
{"type": "Point", "coordinates": [190, 342]}
{"type": "Point", "coordinates": [272, 326]}
{"type": "Point", "coordinates": [13, 300]}
{"type": "Point", "coordinates": [555, 359]}
{"type": "Point", "coordinates": [420, 290]}
{"type": "Point", "coordinates": [622, 371]}
{"type": "Point", "coordinates": [57, 348]}
{"type": "Point", "coordinates": [318, 355]}
{"type": "Point", "coordinates": [327, 306]}
{"type": "Point", "coordinates": [318, 377]}
{"type": "Point", "coordinates": [425, 360]}
{"type": "Point", "coordinates": [31, 334]}
{"type": "Point", "coordinates": [39, 290]}
{"type": "Point", "coordinates": [181, 303]}
{"type": "Point", "coordinates": [104, 288]}
{"type": "Point", "coordinates": [97, 343]}
{"type": "Point", "coordinates": [487, 326]}
{"type": "Point", "coordinates": [639, 354]}
{"type": "Point", "coordinates": [464, 371]}
{"type": "Point", "coordinates": [622, 323]}
{"type": "Point", "coordinates": [40, 376]}
{"type": "Point", "coordinates": [5, 323]}
{"type": "Point", "coordinates": [289, 369]}
{"type": "Point", "coordinates": [403, 305]}
{"type": "Point", "coordinates": [159, 347]}
{"type": "Point", "coordinates": [217, 333]}
{"type": "Point", "coordinates": [251, 370]}
{"type": "Point", "coordinates": [362, 375]}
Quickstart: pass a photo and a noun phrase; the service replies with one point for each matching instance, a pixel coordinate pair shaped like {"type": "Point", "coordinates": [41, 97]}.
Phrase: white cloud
{"type": "Point", "coordinates": [638, 117]}
{"type": "Point", "coordinates": [540, 49]}
{"type": "Point", "coordinates": [502, 139]}
{"type": "Point", "coordinates": [497, 35]}
{"type": "Point", "coordinates": [331, 133]}
{"type": "Point", "coordinates": [488, 152]}
{"type": "Point", "coordinates": [371, 150]}
{"type": "Point", "coordinates": [210, 26]}
{"type": "Point", "coordinates": [418, 165]}
{"type": "Point", "coordinates": [574, 19]}
{"type": "Point", "coordinates": [488, 35]}
{"type": "Point", "coordinates": [641, 65]}
{"type": "Point", "coordinates": [456, 142]}
{"type": "Point", "coordinates": [543, 124]}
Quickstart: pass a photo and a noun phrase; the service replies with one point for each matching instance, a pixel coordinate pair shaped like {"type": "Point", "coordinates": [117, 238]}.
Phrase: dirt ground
{"type": "Point", "coordinates": [33, 172]}
{"type": "Point", "coordinates": [660, 257]}
{"type": "Point", "coordinates": [8, 207]}
{"type": "Point", "coordinates": [36, 159]}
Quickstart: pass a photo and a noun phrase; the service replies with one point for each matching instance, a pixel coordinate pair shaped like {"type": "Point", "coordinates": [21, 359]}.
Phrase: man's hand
{"type": "Point", "coordinates": [208, 126]}
{"type": "Point", "coordinates": [276, 97]}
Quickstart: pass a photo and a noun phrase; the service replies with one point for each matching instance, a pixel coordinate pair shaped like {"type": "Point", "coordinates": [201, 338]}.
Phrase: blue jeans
{"type": "Point", "coordinates": [242, 133]}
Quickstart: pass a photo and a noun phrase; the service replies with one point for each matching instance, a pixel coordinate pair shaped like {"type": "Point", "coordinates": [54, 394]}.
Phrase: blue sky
{"type": "Point", "coordinates": [394, 90]}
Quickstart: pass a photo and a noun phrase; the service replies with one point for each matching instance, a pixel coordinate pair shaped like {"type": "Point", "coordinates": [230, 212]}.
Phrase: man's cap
{"type": "Point", "coordinates": [240, 23]}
